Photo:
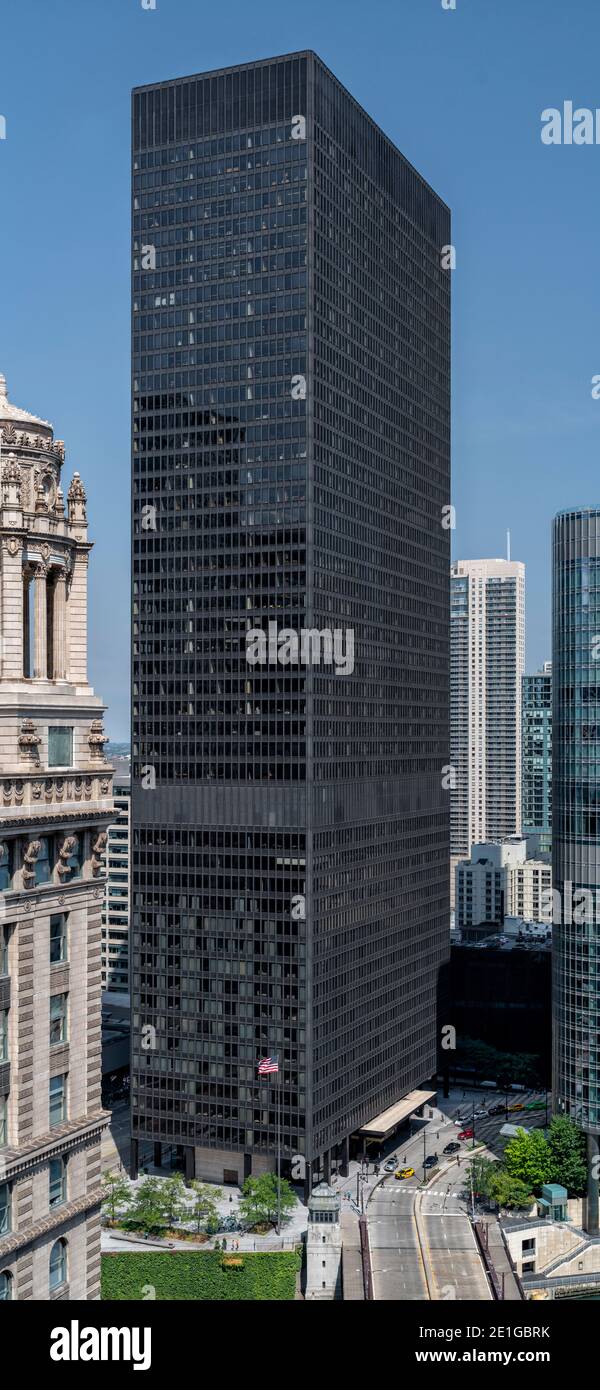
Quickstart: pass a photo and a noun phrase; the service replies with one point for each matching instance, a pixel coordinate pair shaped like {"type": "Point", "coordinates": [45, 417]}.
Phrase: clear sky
{"type": "Point", "coordinates": [461, 93]}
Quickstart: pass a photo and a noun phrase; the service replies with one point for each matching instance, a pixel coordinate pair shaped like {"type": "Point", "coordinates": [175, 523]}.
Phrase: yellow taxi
{"type": "Point", "coordinates": [405, 1173]}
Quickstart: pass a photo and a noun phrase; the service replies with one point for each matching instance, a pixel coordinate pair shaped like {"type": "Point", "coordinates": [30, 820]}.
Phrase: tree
{"type": "Point", "coordinates": [148, 1212]}
{"type": "Point", "coordinates": [567, 1149]}
{"type": "Point", "coordinates": [527, 1157]}
{"type": "Point", "coordinates": [508, 1191]}
{"type": "Point", "coordinates": [205, 1204]}
{"type": "Point", "coordinates": [479, 1174]}
{"type": "Point", "coordinates": [172, 1192]}
{"type": "Point", "coordinates": [259, 1199]}
{"type": "Point", "coordinates": [116, 1192]}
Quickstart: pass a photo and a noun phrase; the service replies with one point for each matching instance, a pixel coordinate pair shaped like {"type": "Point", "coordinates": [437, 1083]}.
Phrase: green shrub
{"type": "Point", "coordinates": [200, 1276]}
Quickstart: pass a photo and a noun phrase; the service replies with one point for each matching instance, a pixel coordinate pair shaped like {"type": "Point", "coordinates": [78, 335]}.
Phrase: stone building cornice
{"type": "Point", "coordinates": [80, 1133]}
{"type": "Point", "coordinates": [59, 1216]}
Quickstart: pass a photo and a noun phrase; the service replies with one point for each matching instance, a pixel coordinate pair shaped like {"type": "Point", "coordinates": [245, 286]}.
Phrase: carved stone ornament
{"type": "Point", "coordinates": [97, 739]}
{"type": "Point", "coordinates": [36, 790]}
{"type": "Point", "coordinates": [29, 742]}
{"type": "Point", "coordinates": [68, 847]}
{"type": "Point", "coordinates": [98, 849]}
{"type": "Point", "coordinates": [77, 499]}
{"type": "Point", "coordinates": [41, 500]}
{"type": "Point", "coordinates": [29, 858]}
{"type": "Point", "coordinates": [12, 544]}
{"type": "Point", "coordinates": [9, 435]}
{"type": "Point", "coordinates": [11, 482]}
{"type": "Point", "coordinates": [7, 788]}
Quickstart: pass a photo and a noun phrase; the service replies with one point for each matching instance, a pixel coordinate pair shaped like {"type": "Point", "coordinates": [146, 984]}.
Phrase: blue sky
{"type": "Point", "coordinates": [461, 93]}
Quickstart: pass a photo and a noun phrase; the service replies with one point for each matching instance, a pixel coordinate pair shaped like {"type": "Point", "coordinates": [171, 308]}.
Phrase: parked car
{"type": "Point", "coordinates": [451, 1148]}
{"type": "Point", "coordinates": [536, 1105]}
{"type": "Point", "coordinates": [466, 1134]}
{"type": "Point", "coordinates": [496, 1110]}
{"type": "Point", "coordinates": [480, 1114]}
{"type": "Point", "coordinates": [518, 1106]}
{"type": "Point", "coordinates": [390, 1166]}
{"type": "Point", "coordinates": [405, 1173]}
{"type": "Point", "coordinates": [430, 1161]}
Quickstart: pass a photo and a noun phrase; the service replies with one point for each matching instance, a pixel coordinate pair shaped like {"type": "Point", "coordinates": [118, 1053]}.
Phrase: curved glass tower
{"type": "Point", "coordinates": [576, 826]}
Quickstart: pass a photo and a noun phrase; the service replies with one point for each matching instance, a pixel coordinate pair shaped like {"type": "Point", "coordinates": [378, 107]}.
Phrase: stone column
{"type": "Point", "coordinates": [59, 627]}
{"type": "Point", "coordinates": [26, 632]}
{"type": "Point", "coordinates": [40, 636]}
{"type": "Point", "coordinates": [77, 620]}
{"type": "Point", "coordinates": [12, 608]}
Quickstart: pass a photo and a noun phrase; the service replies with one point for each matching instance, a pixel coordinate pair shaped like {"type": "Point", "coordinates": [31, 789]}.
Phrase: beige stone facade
{"type": "Point", "coordinates": [55, 806]}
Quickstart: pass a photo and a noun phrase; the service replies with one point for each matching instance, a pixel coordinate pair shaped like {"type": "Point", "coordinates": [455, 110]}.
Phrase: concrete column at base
{"type": "Point", "coordinates": [327, 1166]}
{"type": "Point", "coordinates": [158, 1155]}
{"type": "Point", "coordinates": [307, 1182]}
{"type": "Point", "coordinates": [592, 1223]}
{"type": "Point", "coordinates": [133, 1159]}
{"type": "Point", "coordinates": [190, 1164]}
{"type": "Point", "coordinates": [344, 1153]}
{"type": "Point", "coordinates": [59, 628]}
{"type": "Point", "coordinates": [40, 614]}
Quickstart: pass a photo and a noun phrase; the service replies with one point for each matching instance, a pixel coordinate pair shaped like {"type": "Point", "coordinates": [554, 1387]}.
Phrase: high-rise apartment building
{"type": "Point", "coordinates": [499, 881]}
{"type": "Point", "coordinates": [56, 803]}
{"type": "Point", "coordinates": [487, 653]}
{"type": "Point", "coordinates": [290, 474]}
{"type": "Point", "coordinates": [536, 757]}
{"type": "Point", "coordinates": [115, 917]}
{"type": "Point", "coordinates": [576, 827]}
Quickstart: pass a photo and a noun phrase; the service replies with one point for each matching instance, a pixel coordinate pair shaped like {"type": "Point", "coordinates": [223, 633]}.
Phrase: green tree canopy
{"type": "Point", "coordinates": [508, 1191]}
{"type": "Point", "coordinates": [148, 1212]}
{"type": "Point", "coordinates": [480, 1172]}
{"type": "Point", "coordinates": [567, 1150]}
{"type": "Point", "coordinates": [116, 1193]}
{"type": "Point", "coordinates": [259, 1199]}
{"type": "Point", "coordinates": [172, 1196]}
{"type": "Point", "coordinates": [527, 1157]}
{"type": "Point", "coordinates": [205, 1204]}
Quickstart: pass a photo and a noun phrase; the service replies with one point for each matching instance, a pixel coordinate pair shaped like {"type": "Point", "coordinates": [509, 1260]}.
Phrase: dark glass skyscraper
{"type": "Point", "coordinates": [576, 827]}
{"type": "Point", "coordinates": [291, 322]}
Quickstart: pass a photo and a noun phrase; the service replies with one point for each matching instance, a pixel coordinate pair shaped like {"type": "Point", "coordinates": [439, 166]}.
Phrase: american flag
{"type": "Point", "coordinates": [267, 1065]}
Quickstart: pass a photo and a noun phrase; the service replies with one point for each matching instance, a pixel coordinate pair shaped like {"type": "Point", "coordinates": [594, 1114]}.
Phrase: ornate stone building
{"type": "Point", "coordinates": [55, 805]}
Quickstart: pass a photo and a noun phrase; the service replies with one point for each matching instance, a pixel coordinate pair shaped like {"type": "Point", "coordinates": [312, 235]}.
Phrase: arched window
{"type": "Point", "coordinates": [58, 1264]}
{"type": "Point", "coordinates": [6, 1280]}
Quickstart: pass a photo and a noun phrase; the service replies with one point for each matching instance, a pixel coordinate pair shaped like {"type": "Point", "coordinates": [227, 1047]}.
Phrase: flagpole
{"type": "Point", "coordinates": [278, 1150]}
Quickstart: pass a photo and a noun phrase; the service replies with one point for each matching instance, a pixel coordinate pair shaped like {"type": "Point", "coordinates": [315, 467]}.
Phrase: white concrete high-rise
{"type": "Point", "coordinates": [487, 646]}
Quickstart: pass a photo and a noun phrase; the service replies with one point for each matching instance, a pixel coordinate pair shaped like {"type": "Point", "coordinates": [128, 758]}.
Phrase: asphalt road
{"type": "Point", "coordinates": [422, 1243]}
{"type": "Point", "coordinates": [396, 1259]}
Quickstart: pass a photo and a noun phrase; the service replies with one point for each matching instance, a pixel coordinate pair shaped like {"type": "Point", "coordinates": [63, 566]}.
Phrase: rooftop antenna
{"type": "Point", "coordinates": [508, 545]}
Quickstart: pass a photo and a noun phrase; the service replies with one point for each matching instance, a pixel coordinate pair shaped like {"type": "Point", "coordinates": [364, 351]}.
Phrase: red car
{"type": "Point", "coordinates": [466, 1134]}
